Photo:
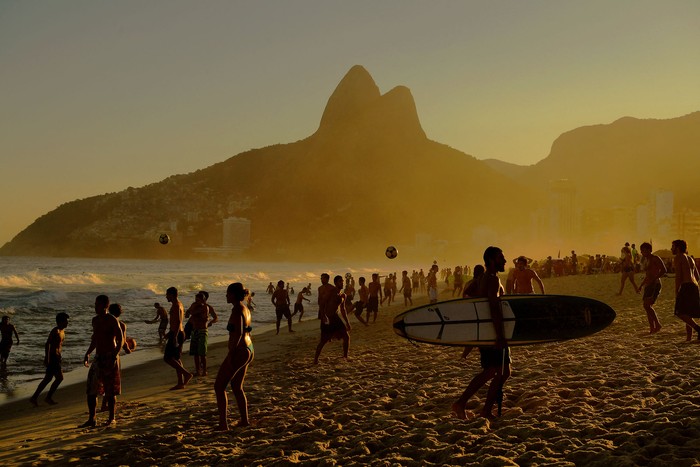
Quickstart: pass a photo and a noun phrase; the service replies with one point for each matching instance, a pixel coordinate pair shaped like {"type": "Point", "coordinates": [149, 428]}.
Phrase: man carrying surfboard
{"type": "Point", "coordinates": [495, 360]}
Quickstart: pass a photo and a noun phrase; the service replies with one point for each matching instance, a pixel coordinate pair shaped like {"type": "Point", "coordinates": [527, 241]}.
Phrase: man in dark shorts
{"type": "Point", "coordinates": [495, 360]}
{"type": "Point", "coordinates": [375, 296]}
{"type": "Point", "coordinates": [52, 360]}
{"type": "Point", "coordinates": [176, 337]}
{"type": "Point", "coordinates": [359, 307]}
{"type": "Point", "coordinates": [332, 325]}
{"type": "Point", "coordinates": [655, 269]}
{"type": "Point", "coordinates": [687, 294]}
{"type": "Point", "coordinates": [280, 299]}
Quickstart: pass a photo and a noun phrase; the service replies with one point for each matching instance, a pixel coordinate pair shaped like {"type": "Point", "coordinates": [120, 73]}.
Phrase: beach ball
{"type": "Point", "coordinates": [391, 252]}
{"type": "Point", "coordinates": [164, 239]}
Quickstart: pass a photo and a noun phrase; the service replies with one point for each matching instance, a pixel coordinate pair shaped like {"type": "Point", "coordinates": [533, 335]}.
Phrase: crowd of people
{"type": "Point", "coordinates": [337, 301]}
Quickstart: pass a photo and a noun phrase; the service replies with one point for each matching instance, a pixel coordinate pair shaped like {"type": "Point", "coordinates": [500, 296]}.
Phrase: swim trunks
{"type": "Point", "coordinates": [333, 330]}
{"type": "Point", "coordinates": [298, 308]}
{"type": "Point", "coordinates": [493, 358]}
{"type": "Point", "coordinates": [688, 300]}
{"type": "Point", "coordinates": [432, 293]}
{"type": "Point", "coordinates": [373, 304]}
{"type": "Point", "coordinates": [198, 342]}
{"type": "Point", "coordinates": [104, 376]}
{"type": "Point", "coordinates": [652, 291]}
{"type": "Point", "coordinates": [173, 347]}
{"type": "Point", "coordinates": [283, 311]}
{"type": "Point", "coordinates": [5, 347]}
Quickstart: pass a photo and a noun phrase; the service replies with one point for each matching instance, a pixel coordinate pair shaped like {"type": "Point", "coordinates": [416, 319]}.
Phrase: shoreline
{"type": "Point", "coordinates": [618, 397]}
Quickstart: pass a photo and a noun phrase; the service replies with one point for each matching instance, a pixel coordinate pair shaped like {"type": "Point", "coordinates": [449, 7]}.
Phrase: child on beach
{"type": "Point", "coordinates": [52, 360]}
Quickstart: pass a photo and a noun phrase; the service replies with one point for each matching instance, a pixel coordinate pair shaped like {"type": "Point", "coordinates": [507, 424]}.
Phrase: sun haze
{"type": "Point", "coordinates": [100, 96]}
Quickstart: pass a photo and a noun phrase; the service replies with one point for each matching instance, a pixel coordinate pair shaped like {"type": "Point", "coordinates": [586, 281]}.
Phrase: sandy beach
{"type": "Point", "coordinates": [620, 397]}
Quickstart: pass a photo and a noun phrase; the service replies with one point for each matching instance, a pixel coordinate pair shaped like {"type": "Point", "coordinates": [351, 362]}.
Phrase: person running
{"type": "Point", "coordinates": [280, 299]}
{"type": "Point", "coordinates": [299, 304]}
{"type": "Point", "coordinates": [162, 317]}
{"type": "Point", "coordinates": [626, 268]}
{"type": "Point", "coordinates": [240, 354]}
{"type": "Point", "coordinates": [6, 331]}
{"type": "Point", "coordinates": [103, 377]}
{"type": "Point", "coordinates": [375, 296]}
{"type": "Point", "coordinates": [332, 325]}
{"type": "Point", "coordinates": [687, 304]}
{"type": "Point", "coordinates": [523, 277]}
{"type": "Point", "coordinates": [495, 360]}
{"type": "Point", "coordinates": [655, 269]}
{"type": "Point", "coordinates": [52, 360]}
{"type": "Point", "coordinates": [176, 337]}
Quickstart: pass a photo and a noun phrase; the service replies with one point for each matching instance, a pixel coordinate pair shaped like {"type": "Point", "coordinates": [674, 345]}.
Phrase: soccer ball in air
{"type": "Point", "coordinates": [164, 239]}
{"type": "Point", "coordinates": [391, 252]}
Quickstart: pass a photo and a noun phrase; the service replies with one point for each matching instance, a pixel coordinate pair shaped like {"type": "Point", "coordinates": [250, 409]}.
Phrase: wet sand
{"type": "Point", "coordinates": [620, 397]}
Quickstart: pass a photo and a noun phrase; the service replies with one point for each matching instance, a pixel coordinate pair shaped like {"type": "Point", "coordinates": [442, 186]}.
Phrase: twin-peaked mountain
{"type": "Point", "coordinates": [367, 178]}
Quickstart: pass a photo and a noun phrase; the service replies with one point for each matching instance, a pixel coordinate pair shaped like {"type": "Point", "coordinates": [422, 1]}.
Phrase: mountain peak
{"type": "Point", "coordinates": [355, 92]}
{"type": "Point", "coordinates": [358, 101]}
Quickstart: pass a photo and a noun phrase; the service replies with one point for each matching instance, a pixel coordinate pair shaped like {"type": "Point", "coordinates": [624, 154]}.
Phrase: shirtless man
{"type": "Point", "coordinates": [687, 295]}
{"type": "Point", "coordinates": [52, 360]}
{"type": "Point", "coordinates": [325, 293]}
{"type": "Point", "coordinates": [6, 331]}
{"type": "Point", "coordinates": [162, 317]}
{"type": "Point", "coordinates": [375, 296]}
{"type": "Point", "coordinates": [360, 305]}
{"type": "Point", "coordinates": [200, 312]}
{"type": "Point", "coordinates": [387, 291]}
{"type": "Point", "coordinates": [280, 299]}
{"type": "Point", "coordinates": [654, 271]}
{"type": "Point", "coordinates": [299, 304]}
{"type": "Point", "coordinates": [523, 277]}
{"type": "Point", "coordinates": [335, 325]}
{"type": "Point", "coordinates": [107, 340]}
{"type": "Point", "coordinates": [407, 288]}
{"type": "Point", "coordinates": [176, 337]}
{"type": "Point", "coordinates": [626, 268]}
{"type": "Point", "coordinates": [495, 361]}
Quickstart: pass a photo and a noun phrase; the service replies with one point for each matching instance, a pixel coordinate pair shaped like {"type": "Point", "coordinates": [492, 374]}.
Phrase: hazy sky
{"type": "Point", "coordinates": [96, 96]}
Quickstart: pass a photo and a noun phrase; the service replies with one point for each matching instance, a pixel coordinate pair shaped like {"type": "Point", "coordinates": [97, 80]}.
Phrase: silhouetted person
{"type": "Point", "coordinates": [6, 331]}
{"type": "Point", "coordinates": [687, 295]}
{"type": "Point", "coordinates": [52, 360]}
{"type": "Point", "coordinates": [172, 353]}
{"type": "Point", "coordinates": [651, 284]}
{"type": "Point", "coordinates": [626, 268]}
{"type": "Point", "coordinates": [334, 322]}
{"type": "Point", "coordinates": [523, 277]}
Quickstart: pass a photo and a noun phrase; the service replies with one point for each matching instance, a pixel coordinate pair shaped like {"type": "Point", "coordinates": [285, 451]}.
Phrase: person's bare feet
{"type": "Point", "coordinates": [177, 386]}
{"type": "Point", "coordinates": [50, 401]}
{"type": "Point", "coordinates": [458, 409]}
{"type": "Point", "coordinates": [186, 379]}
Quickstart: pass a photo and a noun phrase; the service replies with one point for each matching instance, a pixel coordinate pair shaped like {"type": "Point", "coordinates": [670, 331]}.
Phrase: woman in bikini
{"type": "Point", "coordinates": [240, 354]}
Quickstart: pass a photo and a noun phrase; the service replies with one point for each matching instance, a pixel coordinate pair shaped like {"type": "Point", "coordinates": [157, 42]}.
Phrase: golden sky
{"type": "Point", "coordinates": [99, 96]}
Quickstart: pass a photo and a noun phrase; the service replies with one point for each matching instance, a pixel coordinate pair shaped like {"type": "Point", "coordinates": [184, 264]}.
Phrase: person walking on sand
{"type": "Point", "coordinates": [495, 360]}
{"type": "Point", "coordinates": [52, 360]}
{"type": "Point", "coordinates": [655, 269]}
{"type": "Point", "coordinates": [240, 354]}
{"type": "Point", "coordinates": [523, 277]}
{"type": "Point", "coordinates": [6, 332]}
{"type": "Point", "coordinates": [176, 337]}
{"type": "Point", "coordinates": [162, 317]}
{"type": "Point", "coordinates": [332, 325]}
{"type": "Point", "coordinates": [115, 310]}
{"type": "Point", "coordinates": [280, 299]}
{"type": "Point", "coordinates": [375, 296]}
{"type": "Point", "coordinates": [107, 340]}
{"type": "Point", "coordinates": [299, 304]}
{"type": "Point", "coordinates": [626, 268]}
{"type": "Point", "coordinates": [687, 304]}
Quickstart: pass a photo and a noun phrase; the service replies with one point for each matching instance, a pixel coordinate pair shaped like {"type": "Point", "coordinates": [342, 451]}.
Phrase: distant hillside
{"type": "Point", "coordinates": [367, 178]}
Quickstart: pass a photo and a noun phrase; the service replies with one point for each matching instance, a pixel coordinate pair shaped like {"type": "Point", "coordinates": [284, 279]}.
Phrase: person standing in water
{"type": "Point", "coordinates": [240, 354]}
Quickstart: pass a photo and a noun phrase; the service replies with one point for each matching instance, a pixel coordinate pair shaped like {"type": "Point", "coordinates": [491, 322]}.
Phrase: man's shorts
{"type": "Point", "coordinates": [283, 312]}
{"type": "Point", "coordinates": [198, 342]}
{"type": "Point", "coordinates": [493, 358]}
{"type": "Point", "coordinates": [652, 292]}
{"type": "Point", "coordinates": [173, 347]}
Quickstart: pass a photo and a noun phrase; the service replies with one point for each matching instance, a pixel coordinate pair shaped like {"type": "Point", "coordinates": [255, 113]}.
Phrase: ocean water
{"type": "Point", "coordinates": [33, 290]}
